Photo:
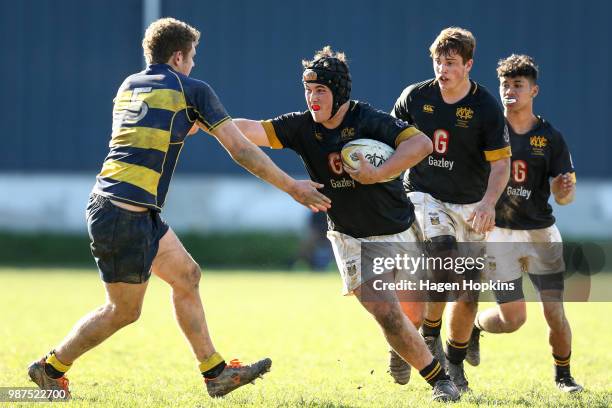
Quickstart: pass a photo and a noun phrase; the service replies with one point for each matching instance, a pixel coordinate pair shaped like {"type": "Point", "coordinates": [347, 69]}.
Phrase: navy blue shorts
{"type": "Point", "coordinates": [123, 243]}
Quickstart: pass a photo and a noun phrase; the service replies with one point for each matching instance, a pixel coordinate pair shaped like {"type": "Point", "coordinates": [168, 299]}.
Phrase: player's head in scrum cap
{"type": "Point", "coordinates": [327, 83]}
{"type": "Point", "coordinates": [452, 53]}
{"type": "Point", "coordinates": [170, 41]}
{"type": "Point", "coordinates": [518, 75]}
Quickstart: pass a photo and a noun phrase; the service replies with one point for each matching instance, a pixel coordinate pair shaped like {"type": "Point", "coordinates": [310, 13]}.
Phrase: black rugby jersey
{"type": "Point", "coordinates": [153, 112]}
{"type": "Point", "coordinates": [357, 210]}
{"type": "Point", "coordinates": [466, 135]}
{"type": "Point", "coordinates": [537, 156]}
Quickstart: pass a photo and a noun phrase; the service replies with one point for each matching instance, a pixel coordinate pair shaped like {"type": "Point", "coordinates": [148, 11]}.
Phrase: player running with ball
{"type": "Point", "coordinates": [365, 209]}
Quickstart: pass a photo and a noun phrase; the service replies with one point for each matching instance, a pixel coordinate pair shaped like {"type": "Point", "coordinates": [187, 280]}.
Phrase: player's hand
{"type": "Point", "coordinates": [562, 185]}
{"type": "Point", "coordinates": [365, 174]}
{"type": "Point", "coordinates": [482, 218]}
{"type": "Point", "coordinates": [305, 192]}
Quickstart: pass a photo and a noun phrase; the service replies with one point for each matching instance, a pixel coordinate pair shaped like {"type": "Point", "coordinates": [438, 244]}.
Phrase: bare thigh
{"type": "Point", "coordinates": [173, 263]}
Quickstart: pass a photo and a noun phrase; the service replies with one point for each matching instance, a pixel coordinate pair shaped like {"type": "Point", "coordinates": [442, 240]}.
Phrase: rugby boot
{"type": "Point", "coordinates": [568, 384]}
{"type": "Point", "coordinates": [37, 374]}
{"type": "Point", "coordinates": [434, 344]}
{"type": "Point", "coordinates": [398, 368]}
{"type": "Point", "coordinates": [445, 391]}
{"type": "Point", "coordinates": [236, 375]}
{"type": "Point", "coordinates": [473, 350]}
{"type": "Point", "coordinates": [457, 374]}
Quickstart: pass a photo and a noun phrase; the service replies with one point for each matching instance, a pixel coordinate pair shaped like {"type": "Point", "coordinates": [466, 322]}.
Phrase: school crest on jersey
{"type": "Point", "coordinates": [538, 143]}
{"type": "Point", "coordinates": [347, 133]}
{"type": "Point", "coordinates": [464, 114]}
{"type": "Point", "coordinates": [351, 268]}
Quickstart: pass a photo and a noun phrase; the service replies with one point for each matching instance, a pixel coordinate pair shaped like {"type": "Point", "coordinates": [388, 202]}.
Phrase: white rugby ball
{"type": "Point", "coordinates": [374, 151]}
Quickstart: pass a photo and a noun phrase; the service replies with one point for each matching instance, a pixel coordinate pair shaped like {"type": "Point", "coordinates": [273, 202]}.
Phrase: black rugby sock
{"type": "Point", "coordinates": [431, 328]}
{"type": "Point", "coordinates": [455, 351]}
{"type": "Point", "coordinates": [212, 366]}
{"type": "Point", "coordinates": [562, 366]}
{"type": "Point", "coordinates": [55, 368]}
{"type": "Point", "coordinates": [433, 372]}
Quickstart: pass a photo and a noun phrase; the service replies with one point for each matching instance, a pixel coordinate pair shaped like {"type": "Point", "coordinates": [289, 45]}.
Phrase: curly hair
{"type": "Point", "coordinates": [325, 52]}
{"type": "Point", "coordinates": [454, 39]}
{"type": "Point", "coordinates": [166, 36]}
{"type": "Point", "coordinates": [518, 65]}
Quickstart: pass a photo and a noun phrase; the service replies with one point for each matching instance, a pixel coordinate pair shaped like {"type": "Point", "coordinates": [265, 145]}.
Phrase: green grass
{"type": "Point", "coordinates": [327, 351]}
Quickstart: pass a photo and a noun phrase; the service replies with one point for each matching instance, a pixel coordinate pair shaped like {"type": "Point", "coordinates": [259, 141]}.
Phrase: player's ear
{"type": "Point", "coordinates": [535, 90]}
{"type": "Point", "coordinates": [468, 64]}
{"type": "Point", "coordinates": [176, 58]}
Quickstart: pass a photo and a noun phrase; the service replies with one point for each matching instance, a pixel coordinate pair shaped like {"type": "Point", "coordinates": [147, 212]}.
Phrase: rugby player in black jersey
{"type": "Point", "coordinates": [153, 113]}
{"type": "Point", "coordinates": [525, 237]}
{"type": "Point", "coordinates": [366, 209]}
{"type": "Point", "coordinates": [455, 189]}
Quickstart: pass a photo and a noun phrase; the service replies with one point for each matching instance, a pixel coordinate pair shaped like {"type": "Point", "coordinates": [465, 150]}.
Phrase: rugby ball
{"type": "Point", "coordinates": [374, 151]}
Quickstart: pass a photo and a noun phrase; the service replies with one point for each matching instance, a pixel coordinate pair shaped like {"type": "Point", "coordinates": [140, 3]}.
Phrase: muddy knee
{"type": "Point", "coordinates": [188, 280]}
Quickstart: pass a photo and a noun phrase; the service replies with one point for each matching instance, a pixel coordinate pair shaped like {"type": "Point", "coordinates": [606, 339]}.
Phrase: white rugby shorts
{"type": "Point", "coordinates": [347, 251]}
{"type": "Point", "coordinates": [512, 252]}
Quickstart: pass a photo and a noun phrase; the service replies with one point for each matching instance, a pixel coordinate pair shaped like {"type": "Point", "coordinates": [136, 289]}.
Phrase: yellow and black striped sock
{"type": "Point", "coordinates": [562, 366]}
{"type": "Point", "coordinates": [433, 372]}
{"type": "Point", "coordinates": [55, 368]}
{"type": "Point", "coordinates": [431, 328]}
{"type": "Point", "coordinates": [455, 351]}
{"type": "Point", "coordinates": [212, 366]}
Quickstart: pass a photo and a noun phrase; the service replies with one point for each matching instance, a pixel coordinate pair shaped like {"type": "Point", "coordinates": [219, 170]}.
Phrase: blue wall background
{"type": "Point", "coordinates": [62, 62]}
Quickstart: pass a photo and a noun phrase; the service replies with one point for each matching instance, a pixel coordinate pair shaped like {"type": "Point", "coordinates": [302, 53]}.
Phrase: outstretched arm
{"type": "Point", "coordinates": [249, 156]}
{"type": "Point", "coordinates": [254, 131]}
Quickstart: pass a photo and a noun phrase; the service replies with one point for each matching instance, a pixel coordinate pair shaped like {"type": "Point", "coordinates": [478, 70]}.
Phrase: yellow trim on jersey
{"type": "Point", "coordinates": [406, 134]}
{"type": "Point", "coordinates": [494, 155]}
{"type": "Point", "coordinates": [134, 174]}
{"type": "Point", "coordinates": [142, 137]}
{"type": "Point", "coordinates": [167, 99]}
{"type": "Point", "coordinates": [271, 133]}
{"type": "Point", "coordinates": [219, 123]}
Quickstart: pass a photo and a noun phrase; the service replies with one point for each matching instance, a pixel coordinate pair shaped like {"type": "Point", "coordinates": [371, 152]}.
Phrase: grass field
{"type": "Point", "coordinates": [327, 351]}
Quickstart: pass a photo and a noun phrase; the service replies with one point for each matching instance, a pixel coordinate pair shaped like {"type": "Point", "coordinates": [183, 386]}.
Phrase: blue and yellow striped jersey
{"type": "Point", "coordinates": [153, 112]}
